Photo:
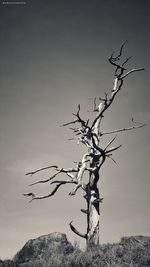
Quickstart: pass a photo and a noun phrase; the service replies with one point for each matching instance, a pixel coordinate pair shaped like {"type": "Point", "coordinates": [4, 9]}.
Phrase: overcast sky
{"type": "Point", "coordinates": [53, 56]}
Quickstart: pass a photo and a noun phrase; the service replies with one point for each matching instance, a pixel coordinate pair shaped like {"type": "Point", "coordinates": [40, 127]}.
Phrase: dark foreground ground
{"type": "Point", "coordinates": [54, 250]}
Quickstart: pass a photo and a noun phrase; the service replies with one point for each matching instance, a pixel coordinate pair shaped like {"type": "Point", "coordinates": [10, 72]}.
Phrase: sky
{"type": "Point", "coordinates": [54, 56]}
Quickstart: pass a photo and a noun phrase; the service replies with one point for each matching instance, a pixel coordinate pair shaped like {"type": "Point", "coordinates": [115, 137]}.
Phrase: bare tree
{"type": "Point", "coordinates": [89, 133]}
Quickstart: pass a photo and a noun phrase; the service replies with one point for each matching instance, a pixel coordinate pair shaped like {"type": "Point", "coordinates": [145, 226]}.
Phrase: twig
{"type": "Point", "coordinates": [113, 149]}
{"type": "Point", "coordinates": [111, 141]}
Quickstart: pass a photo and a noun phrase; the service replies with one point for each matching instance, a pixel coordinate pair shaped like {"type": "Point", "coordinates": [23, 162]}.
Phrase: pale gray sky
{"type": "Point", "coordinates": [54, 55]}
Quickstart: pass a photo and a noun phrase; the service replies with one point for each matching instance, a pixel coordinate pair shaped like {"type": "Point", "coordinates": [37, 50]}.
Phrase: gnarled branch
{"type": "Point", "coordinates": [76, 231]}
{"type": "Point", "coordinates": [34, 197]}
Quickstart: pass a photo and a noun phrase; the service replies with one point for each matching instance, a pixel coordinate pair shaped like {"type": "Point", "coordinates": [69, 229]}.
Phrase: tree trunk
{"type": "Point", "coordinates": [93, 207]}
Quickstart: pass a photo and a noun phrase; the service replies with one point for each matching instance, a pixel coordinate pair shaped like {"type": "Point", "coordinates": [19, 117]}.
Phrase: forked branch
{"type": "Point", "coordinates": [58, 184]}
{"type": "Point", "coordinates": [120, 75]}
{"type": "Point", "coordinates": [34, 197]}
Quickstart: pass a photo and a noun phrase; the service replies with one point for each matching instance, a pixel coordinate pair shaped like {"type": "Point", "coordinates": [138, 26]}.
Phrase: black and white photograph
{"type": "Point", "coordinates": [74, 133]}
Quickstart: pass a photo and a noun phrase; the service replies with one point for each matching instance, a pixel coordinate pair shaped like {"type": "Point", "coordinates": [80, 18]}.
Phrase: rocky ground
{"type": "Point", "coordinates": [54, 250]}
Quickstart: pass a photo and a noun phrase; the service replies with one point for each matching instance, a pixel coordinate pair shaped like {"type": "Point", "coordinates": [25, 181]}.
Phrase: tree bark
{"type": "Point", "coordinates": [93, 214]}
{"type": "Point", "coordinates": [93, 208]}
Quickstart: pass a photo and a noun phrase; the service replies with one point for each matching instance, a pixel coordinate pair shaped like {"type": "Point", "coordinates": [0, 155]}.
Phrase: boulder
{"type": "Point", "coordinates": [43, 248]}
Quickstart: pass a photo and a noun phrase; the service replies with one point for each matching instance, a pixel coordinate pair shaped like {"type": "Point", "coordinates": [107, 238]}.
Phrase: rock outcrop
{"type": "Point", "coordinates": [54, 250]}
{"type": "Point", "coordinates": [42, 249]}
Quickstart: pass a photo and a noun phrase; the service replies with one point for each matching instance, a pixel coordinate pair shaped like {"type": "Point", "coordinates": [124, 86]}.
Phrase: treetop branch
{"type": "Point", "coordinates": [131, 71]}
{"type": "Point", "coordinates": [118, 83]}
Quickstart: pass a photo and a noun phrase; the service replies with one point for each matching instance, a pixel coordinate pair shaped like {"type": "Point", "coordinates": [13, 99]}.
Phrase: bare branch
{"type": "Point", "coordinates": [117, 86]}
{"type": "Point", "coordinates": [98, 200]}
{"type": "Point", "coordinates": [76, 231]}
{"type": "Point", "coordinates": [69, 172]}
{"type": "Point", "coordinates": [74, 129]}
{"type": "Point", "coordinates": [119, 74]}
{"type": "Point", "coordinates": [41, 169]}
{"type": "Point", "coordinates": [69, 169]}
{"type": "Point", "coordinates": [131, 71]}
{"type": "Point", "coordinates": [84, 211]}
{"type": "Point", "coordinates": [58, 184]}
{"type": "Point", "coordinates": [68, 123]}
{"type": "Point", "coordinates": [111, 141]}
{"type": "Point", "coordinates": [64, 182]}
{"type": "Point", "coordinates": [29, 195]}
{"type": "Point", "coordinates": [113, 60]}
{"type": "Point", "coordinates": [34, 197]}
{"type": "Point", "coordinates": [95, 109]}
{"type": "Point", "coordinates": [124, 129]}
{"type": "Point", "coordinates": [121, 49]}
{"type": "Point", "coordinates": [126, 61]}
{"type": "Point", "coordinates": [109, 156]}
{"type": "Point", "coordinates": [47, 180]}
{"type": "Point", "coordinates": [113, 149]}
{"type": "Point", "coordinates": [83, 123]}
{"type": "Point", "coordinates": [120, 52]}
{"type": "Point", "coordinates": [59, 170]}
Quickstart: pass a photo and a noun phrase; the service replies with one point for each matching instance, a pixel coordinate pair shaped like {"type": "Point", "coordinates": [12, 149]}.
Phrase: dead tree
{"type": "Point", "coordinates": [85, 175]}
